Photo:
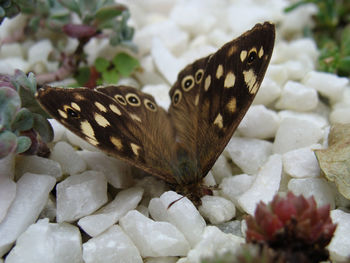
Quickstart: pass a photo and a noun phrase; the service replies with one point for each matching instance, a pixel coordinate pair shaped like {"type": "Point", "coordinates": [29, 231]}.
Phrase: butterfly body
{"type": "Point", "coordinates": [208, 101]}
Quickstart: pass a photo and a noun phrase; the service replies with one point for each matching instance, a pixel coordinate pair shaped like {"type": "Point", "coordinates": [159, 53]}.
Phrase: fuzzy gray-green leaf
{"type": "Point", "coordinates": [23, 144]}
{"type": "Point", "coordinates": [23, 120]}
{"type": "Point", "coordinates": [8, 142]}
{"type": "Point", "coordinates": [43, 127]}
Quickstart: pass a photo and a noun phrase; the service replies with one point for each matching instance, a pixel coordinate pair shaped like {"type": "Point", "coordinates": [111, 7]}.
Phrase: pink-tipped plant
{"type": "Point", "coordinates": [293, 226]}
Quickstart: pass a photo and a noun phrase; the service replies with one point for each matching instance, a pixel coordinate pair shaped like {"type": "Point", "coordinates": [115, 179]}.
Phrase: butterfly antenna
{"type": "Point", "coordinates": [173, 202]}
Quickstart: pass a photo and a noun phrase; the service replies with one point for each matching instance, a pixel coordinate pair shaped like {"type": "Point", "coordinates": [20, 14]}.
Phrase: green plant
{"type": "Point", "coordinates": [97, 19]}
{"type": "Point", "coordinates": [23, 124]}
{"type": "Point", "coordinates": [105, 71]}
{"type": "Point", "coordinates": [332, 34]}
{"type": "Point", "coordinates": [8, 9]}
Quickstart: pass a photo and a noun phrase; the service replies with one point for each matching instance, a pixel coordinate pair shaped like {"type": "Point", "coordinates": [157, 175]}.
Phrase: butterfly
{"type": "Point", "coordinates": [179, 146]}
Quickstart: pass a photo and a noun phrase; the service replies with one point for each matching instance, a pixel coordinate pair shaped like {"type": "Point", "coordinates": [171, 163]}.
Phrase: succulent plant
{"type": "Point", "coordinates": [23, 126]}
{"type": "Point", "coordinates": [294, 227]}
{"type": "Point", "coordinates": [107, 72]}
{"type": "Point", "coordinates": [248, 254]}
{"type": "Point", "coordinates": [331, 31]}
{"type": "Point", "coordinates": [79, 19]}
{"type": "Point", "coordinates": [8, 8]}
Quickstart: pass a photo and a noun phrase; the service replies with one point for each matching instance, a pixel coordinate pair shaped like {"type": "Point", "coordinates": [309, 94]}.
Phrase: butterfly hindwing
{"type": "Point", "coordinates": [122, 121]}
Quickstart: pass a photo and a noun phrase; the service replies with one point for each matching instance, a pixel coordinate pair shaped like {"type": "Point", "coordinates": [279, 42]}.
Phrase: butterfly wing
{"type": "Point", "coordinates": [208, 112]}
{"type": "Point", "coordinates": [122, 121]}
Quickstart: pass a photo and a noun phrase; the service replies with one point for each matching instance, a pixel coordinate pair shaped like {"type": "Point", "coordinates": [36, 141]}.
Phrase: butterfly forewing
{"type": "Point", "coordinates": [130, 126]}
{"type": "Point", "coordinates": [230, 81]}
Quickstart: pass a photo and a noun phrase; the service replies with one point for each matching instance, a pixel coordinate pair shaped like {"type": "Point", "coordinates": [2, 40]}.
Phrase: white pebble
{"type": "Point", "coordinates": [276, 73]}
{"type": "Point", "coordinates": [329, 85]}
{"type": "Point", "coordinates": [294, 133]}
{"type": "Point", "coordinates": [68, 158]}
{"type": "Point", "coordinates": [221, 169]}
{"type": "Point", "coordinates": [174, 39]}
{"type": "Point", "coordinates": [75, 140]}
{"type": "Point", "coordinates": [9, 65]}
{"type": "Point", "coordinates": [154, 239]}
{"type": "Point", "coordinates": [7, 185]}
{"type": "Point", "coordinates": [232, 187]}
{"type": "Point", "coordinates": [11, 50]}
{"type": "Point", "coordinates": [340, 245]}
{"type": "Point", "coordinates": [317, 119]}
{"type": "Point", "coordinates": [182, 214]}
{"type": "Point", "coordinates": [45, 242]}
{"type": "Point", "coordinates": [105, 217]}
{"type": "Point", "coordinates": [111, 246]}
{"type": "Point", "coordinates": [7, 195]}
{"type": "Point", "coordinates": [153, 187]}
{"type": "Point", "coordinates": [264, 187]}
{"type": "Point", "coordinates": [117, 172]}
{"type": "Point", "coordinates": [40, 51]}
{"type": "Point", "coordinates": [318, 187]}
{"type": "Point", "coordinates": [168, 65]}
{"type": "Point", "coordinates": [269, 91]}
{"type": "Point", "coordinates": [249, 154]}
{"type": "Point", "coordinates": [217, 209]}
{"type": "Point", "coordinates": [143, 210]}
{"type": "Point", "coordinates": [31, 197]}
{"type": "Point", "coordinates": [79, 195]}
{"type": "Point", "coordinates": [259, 122]}
{"type": "Point", "coordinates": [160, 92]}
{"type": "Point", "coordinates": [161, 260]}
{"type": "Point", "coordinates": [296, 69]}
{"type": "Point", "coordinates": [340, 115]}
{"type": "Point", "coordinates": [296, 96]}
{"type": "Point", "coordinates": [7, 165]}
{"type": "Point", "coordinates": [301, 163]}
{"type": "Point", "coordinates": [149, 75]}
{"type": "Point", "coordinates": [38, 165]}
{"type": "Point", "coordinates": [189, 16]}
{"type": "Point", "coordinates": [240, 11]}
{"type": "Point", "coordinates": [209, 179]}
{"type": "Point", "coordinates": [58, 130]}
{"type": "Point", "coordinates": [295, 21]}
{"type": "Point", "coordinates": [214, 242]}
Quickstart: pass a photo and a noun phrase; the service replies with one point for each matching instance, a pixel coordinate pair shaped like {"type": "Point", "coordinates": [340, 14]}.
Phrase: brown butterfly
{"type": "Point", "coordinates": [208, 101]}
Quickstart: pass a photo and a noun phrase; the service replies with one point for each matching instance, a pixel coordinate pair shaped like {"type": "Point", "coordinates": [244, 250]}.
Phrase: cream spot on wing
{"type": "Point", "coordinates": [100, 106]}
{"type": "Point", "coordinates": [207, 82]}
{"type": "Point", "coordinates": [115, 109]}
{"type": "Point", "coordinates": [261, 52]}
{"type": "Point", "coordinates": [232, 50]}
{"type": "Point", "coordinates": [218, 121]}
{"type": "Point", "coordinates": [78, 96]}
{"type": "Point", "coordinates": [116, 142]}
{"type": "Point", "coordinates": [75, 106]}
{"type": "Point", "coordinates": [243, 55]}
{"type": "Point", "coordinates": [219, 71]}
{"type": "Point", "coordinates": [255, 88]}
{"type": "Point", "coordinates": [87, 129]}
{"type": "Point", "coordinates": [229, 80]}
{"type": "Point", "coordinates": [135, 148]}
{"type": "Point", "coordinates": [62, 114]}
{"type": "Point", "coordinates": [135, 117]}
{"type": "Point", "coordinates": [102, 121]}
{"type": "Point", "coordinates": [196, 100]}
{"type": "Point", "coordinates": [231, 105]}
{"type": "Point", "coordinates": [92, 141]}
{"type": "Point", "coordinates": [250, 79]}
